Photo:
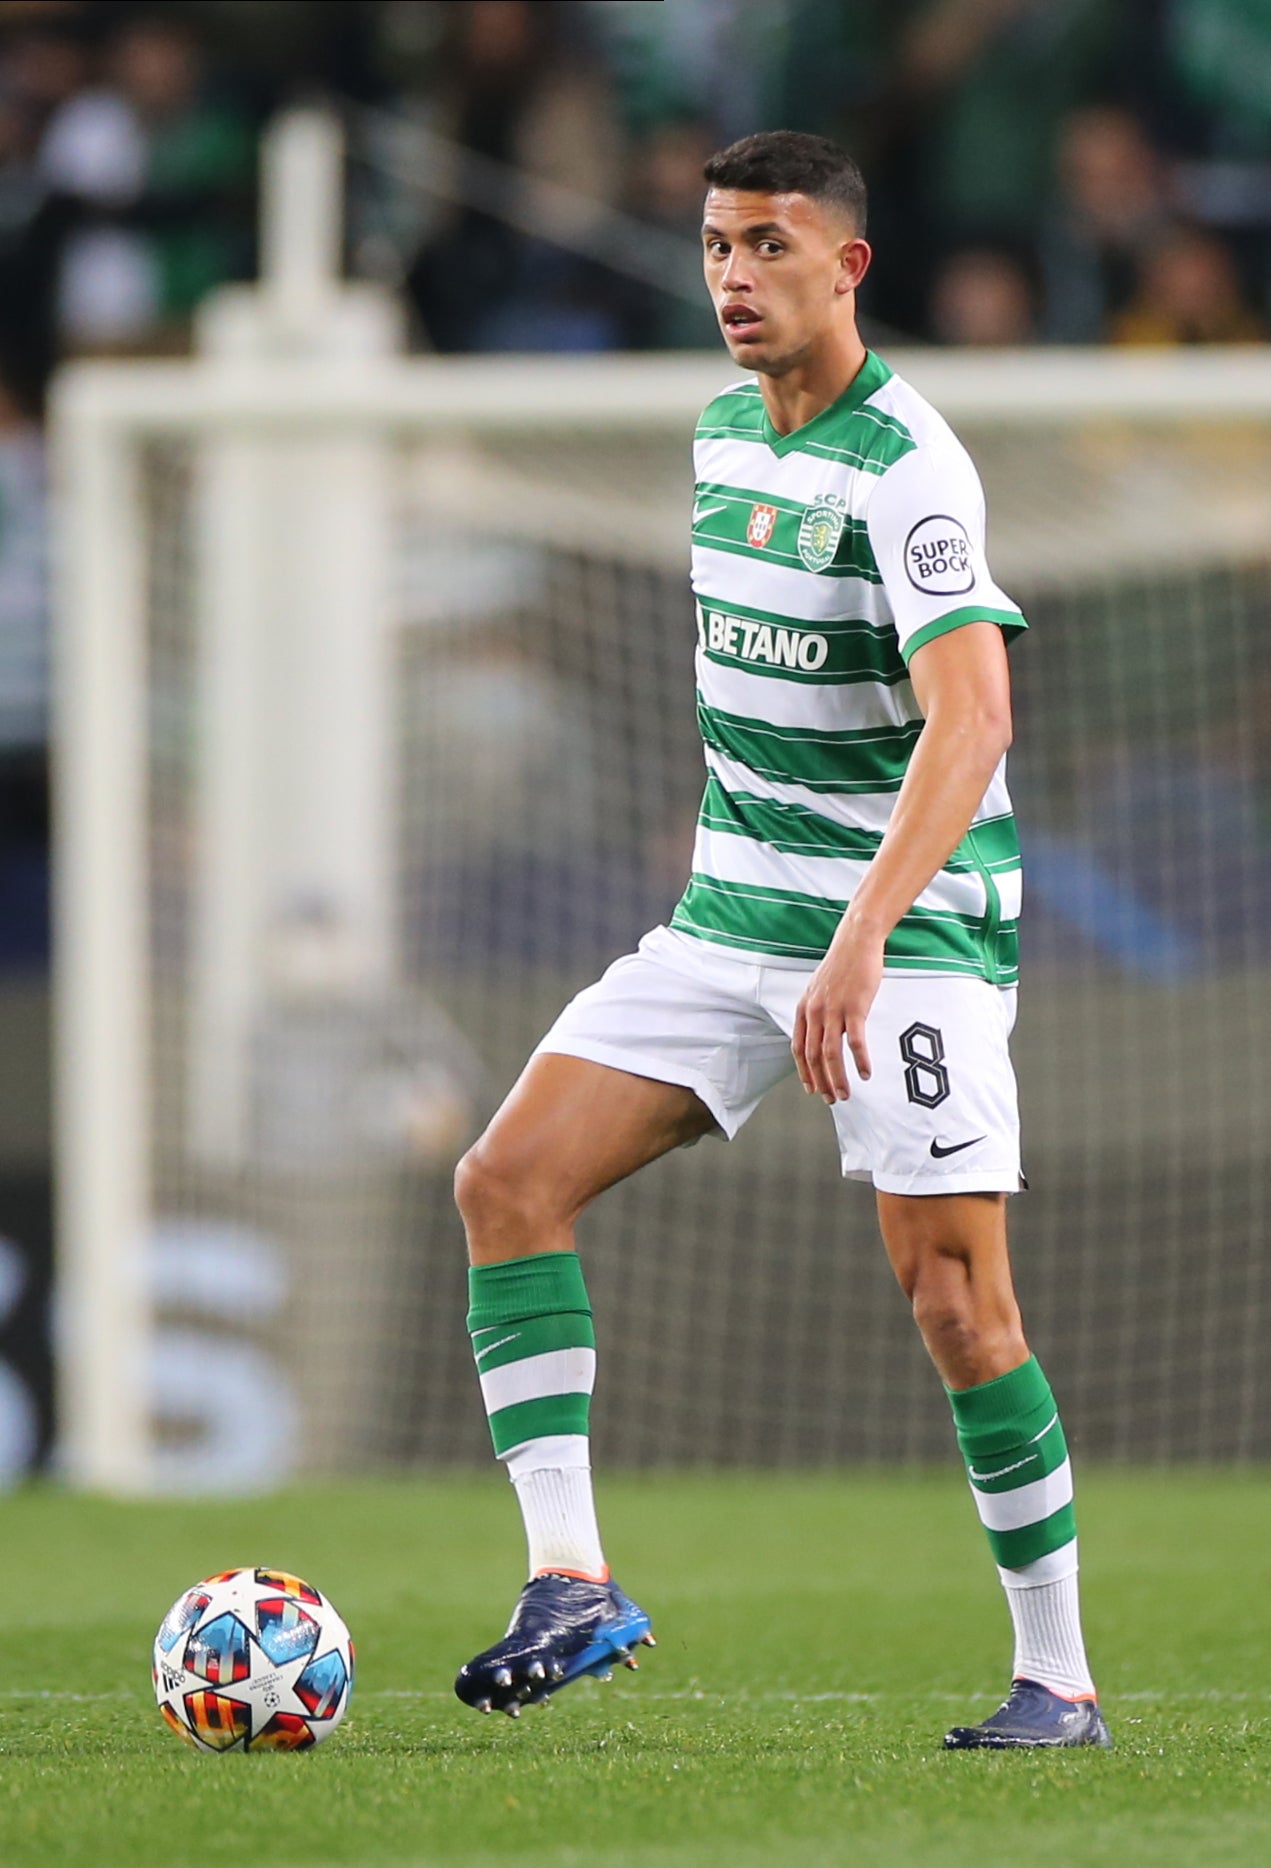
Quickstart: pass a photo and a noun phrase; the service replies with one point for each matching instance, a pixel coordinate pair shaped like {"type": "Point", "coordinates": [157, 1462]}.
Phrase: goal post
{"type": "Point", "coordinates": [101, 975]}
{"type": "Point", "coordinates": [519, 730]}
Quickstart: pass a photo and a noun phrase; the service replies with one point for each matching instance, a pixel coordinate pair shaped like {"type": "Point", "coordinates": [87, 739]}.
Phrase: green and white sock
{"type": "Point", "coordinates": [1013, 1442]}
{"type": "Point", "coordinates": [535, 1350]}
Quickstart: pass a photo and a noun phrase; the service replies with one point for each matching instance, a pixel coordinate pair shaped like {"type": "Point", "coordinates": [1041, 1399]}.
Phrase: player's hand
{"type": "Point", "coordinates": [833, 1009]}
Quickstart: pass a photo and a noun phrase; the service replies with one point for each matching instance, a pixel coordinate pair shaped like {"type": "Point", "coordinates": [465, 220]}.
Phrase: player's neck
{"type": "Point", "coordinates": [797, 397]}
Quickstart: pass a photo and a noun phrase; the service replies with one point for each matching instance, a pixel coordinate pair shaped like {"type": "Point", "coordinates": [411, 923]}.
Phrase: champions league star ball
{"type": "Point", "coordinates": [253, 1660]}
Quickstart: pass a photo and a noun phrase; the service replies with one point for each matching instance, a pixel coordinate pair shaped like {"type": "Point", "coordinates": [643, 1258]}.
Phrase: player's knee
{"type": "Point", "coordinates": [946, 1320]}
{"type": "Point", "coordinates": [966, 1329]}
{"type": "Point", "coordinates": [481, 1190]}
{"type": "Point", "coordinates": [492, 1193]}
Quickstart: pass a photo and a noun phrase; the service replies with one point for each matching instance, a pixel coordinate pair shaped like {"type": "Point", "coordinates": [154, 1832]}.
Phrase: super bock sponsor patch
{"type": "Point", "coordinates": [938, 557]}
{"type": "Point", "coordinates": [820, 532]}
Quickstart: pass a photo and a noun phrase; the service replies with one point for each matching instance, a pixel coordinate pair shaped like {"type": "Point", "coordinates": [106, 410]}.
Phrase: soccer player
{"type": "Point", "coordinates": [851, 914]}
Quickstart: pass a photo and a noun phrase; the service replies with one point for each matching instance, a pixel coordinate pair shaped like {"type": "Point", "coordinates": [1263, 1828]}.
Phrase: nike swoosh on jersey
{"type": "Point", "coordinates": [706, 512]}
{"type": "Point", "coordinates": [956, 1148]}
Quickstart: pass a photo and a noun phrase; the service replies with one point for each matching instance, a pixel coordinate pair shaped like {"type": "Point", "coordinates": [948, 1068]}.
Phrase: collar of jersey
{"type": "Point", "coordinates": [871, 376]}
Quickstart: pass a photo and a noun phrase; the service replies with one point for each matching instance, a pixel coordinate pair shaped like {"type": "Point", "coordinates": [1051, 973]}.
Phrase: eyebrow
{"type": "Point", "coordinates": [757, 228]}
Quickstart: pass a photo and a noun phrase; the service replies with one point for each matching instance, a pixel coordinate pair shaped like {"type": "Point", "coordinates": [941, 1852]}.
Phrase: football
{"type": "Point", "coordinates": [253, 1660]}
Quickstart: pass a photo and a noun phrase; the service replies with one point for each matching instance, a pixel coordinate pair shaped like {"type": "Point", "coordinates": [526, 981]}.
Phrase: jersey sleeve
{"type": "Point", "coordinates": [926, 528]}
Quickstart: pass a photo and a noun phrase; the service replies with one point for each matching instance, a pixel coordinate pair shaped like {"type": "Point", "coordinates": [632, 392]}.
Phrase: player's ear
{"type": "Point", "coordinates": [854, 257]}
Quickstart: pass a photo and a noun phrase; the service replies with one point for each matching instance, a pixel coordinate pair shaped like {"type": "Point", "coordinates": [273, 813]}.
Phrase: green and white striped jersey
{"type": "Point", "coordinates": [822, 560]}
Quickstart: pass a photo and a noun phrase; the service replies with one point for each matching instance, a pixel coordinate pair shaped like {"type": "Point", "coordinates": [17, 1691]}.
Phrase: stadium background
{"type": "Point", "coordinates": [1043, 172]}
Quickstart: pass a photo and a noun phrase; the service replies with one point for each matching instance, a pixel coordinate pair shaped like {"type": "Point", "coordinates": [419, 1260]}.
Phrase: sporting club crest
{"type": "Point", "coordinates": [820, 532]}
{"type": "Point", "coordinates": [759, 530]}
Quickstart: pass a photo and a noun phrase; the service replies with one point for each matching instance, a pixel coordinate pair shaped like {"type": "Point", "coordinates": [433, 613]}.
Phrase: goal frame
{"type": "Point", "coordinates": [102, 417]}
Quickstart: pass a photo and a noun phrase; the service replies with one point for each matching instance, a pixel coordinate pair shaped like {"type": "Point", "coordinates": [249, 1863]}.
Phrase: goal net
{"type": "Point", "coordinates": [378, 742]}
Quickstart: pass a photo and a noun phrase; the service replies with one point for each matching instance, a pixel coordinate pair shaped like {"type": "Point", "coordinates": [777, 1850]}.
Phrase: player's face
{"type": "Point", "coordinates": [780, 270]}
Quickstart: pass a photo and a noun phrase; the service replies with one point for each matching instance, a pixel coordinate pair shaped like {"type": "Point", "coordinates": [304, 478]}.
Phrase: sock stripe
{"type": "Point", "coordinates": [1055, 1567]}
{"type": "Point", "coordinates": [1012, 1550]}
{"type": "Point", "coordinates": [535, 1378]}
{"type": "Point", "coordinates": [500, 1296]}
{"type": "Point", "coordinates": [1026, 1504]}
{"type": "Point", "coordinates": [533, 1336]}
{"type": "Point", "coordinates": [552, 1452]}
{"type": "Point", "coordinates": [526, 1420]}
{"type": "Point", "coordinates": [1023, 1464]}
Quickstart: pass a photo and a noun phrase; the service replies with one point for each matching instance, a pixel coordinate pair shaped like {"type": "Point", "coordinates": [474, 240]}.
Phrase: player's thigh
{"type": "Point", "coordinates": [569, 1128]}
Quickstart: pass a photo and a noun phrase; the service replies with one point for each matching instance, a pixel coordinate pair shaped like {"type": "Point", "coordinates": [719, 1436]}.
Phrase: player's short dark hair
{"type": "Point", "coordinates": [790, 162]}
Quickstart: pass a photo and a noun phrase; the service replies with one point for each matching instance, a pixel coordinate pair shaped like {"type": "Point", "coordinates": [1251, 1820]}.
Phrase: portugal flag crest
{"type": "Point", "coordinates": [759, 530]}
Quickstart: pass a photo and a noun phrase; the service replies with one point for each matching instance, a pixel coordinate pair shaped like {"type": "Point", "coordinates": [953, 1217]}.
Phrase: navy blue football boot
{"type": "Point", "coordinates": [562, 1627]}
{"type": "Point", "coordinates": [1034, 1719]}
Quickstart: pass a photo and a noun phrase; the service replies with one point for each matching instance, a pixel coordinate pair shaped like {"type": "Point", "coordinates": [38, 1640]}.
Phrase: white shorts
{"type": "Point", "coordinates": [939, 1114]}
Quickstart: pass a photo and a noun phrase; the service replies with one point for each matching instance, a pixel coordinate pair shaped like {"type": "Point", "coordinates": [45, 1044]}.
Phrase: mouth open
{"type": "Point", "coordinates": [739, 317]}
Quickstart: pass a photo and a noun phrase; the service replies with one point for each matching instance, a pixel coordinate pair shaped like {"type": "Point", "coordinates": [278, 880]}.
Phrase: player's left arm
{"type": "Point", "coordinates": [926, 529]}
{"type": "Point", "coordinates": [962, 686]}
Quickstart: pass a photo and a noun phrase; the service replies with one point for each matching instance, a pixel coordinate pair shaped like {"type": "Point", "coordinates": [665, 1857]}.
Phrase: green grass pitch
{"type": "Point", "coordinates": [816, 1635]}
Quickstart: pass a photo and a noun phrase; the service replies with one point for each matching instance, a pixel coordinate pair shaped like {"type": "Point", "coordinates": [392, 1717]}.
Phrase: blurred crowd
{"type": "Point", "coordinates": [1063, 171]}
{"type": "Point", "coordinates": [1041, 171]}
